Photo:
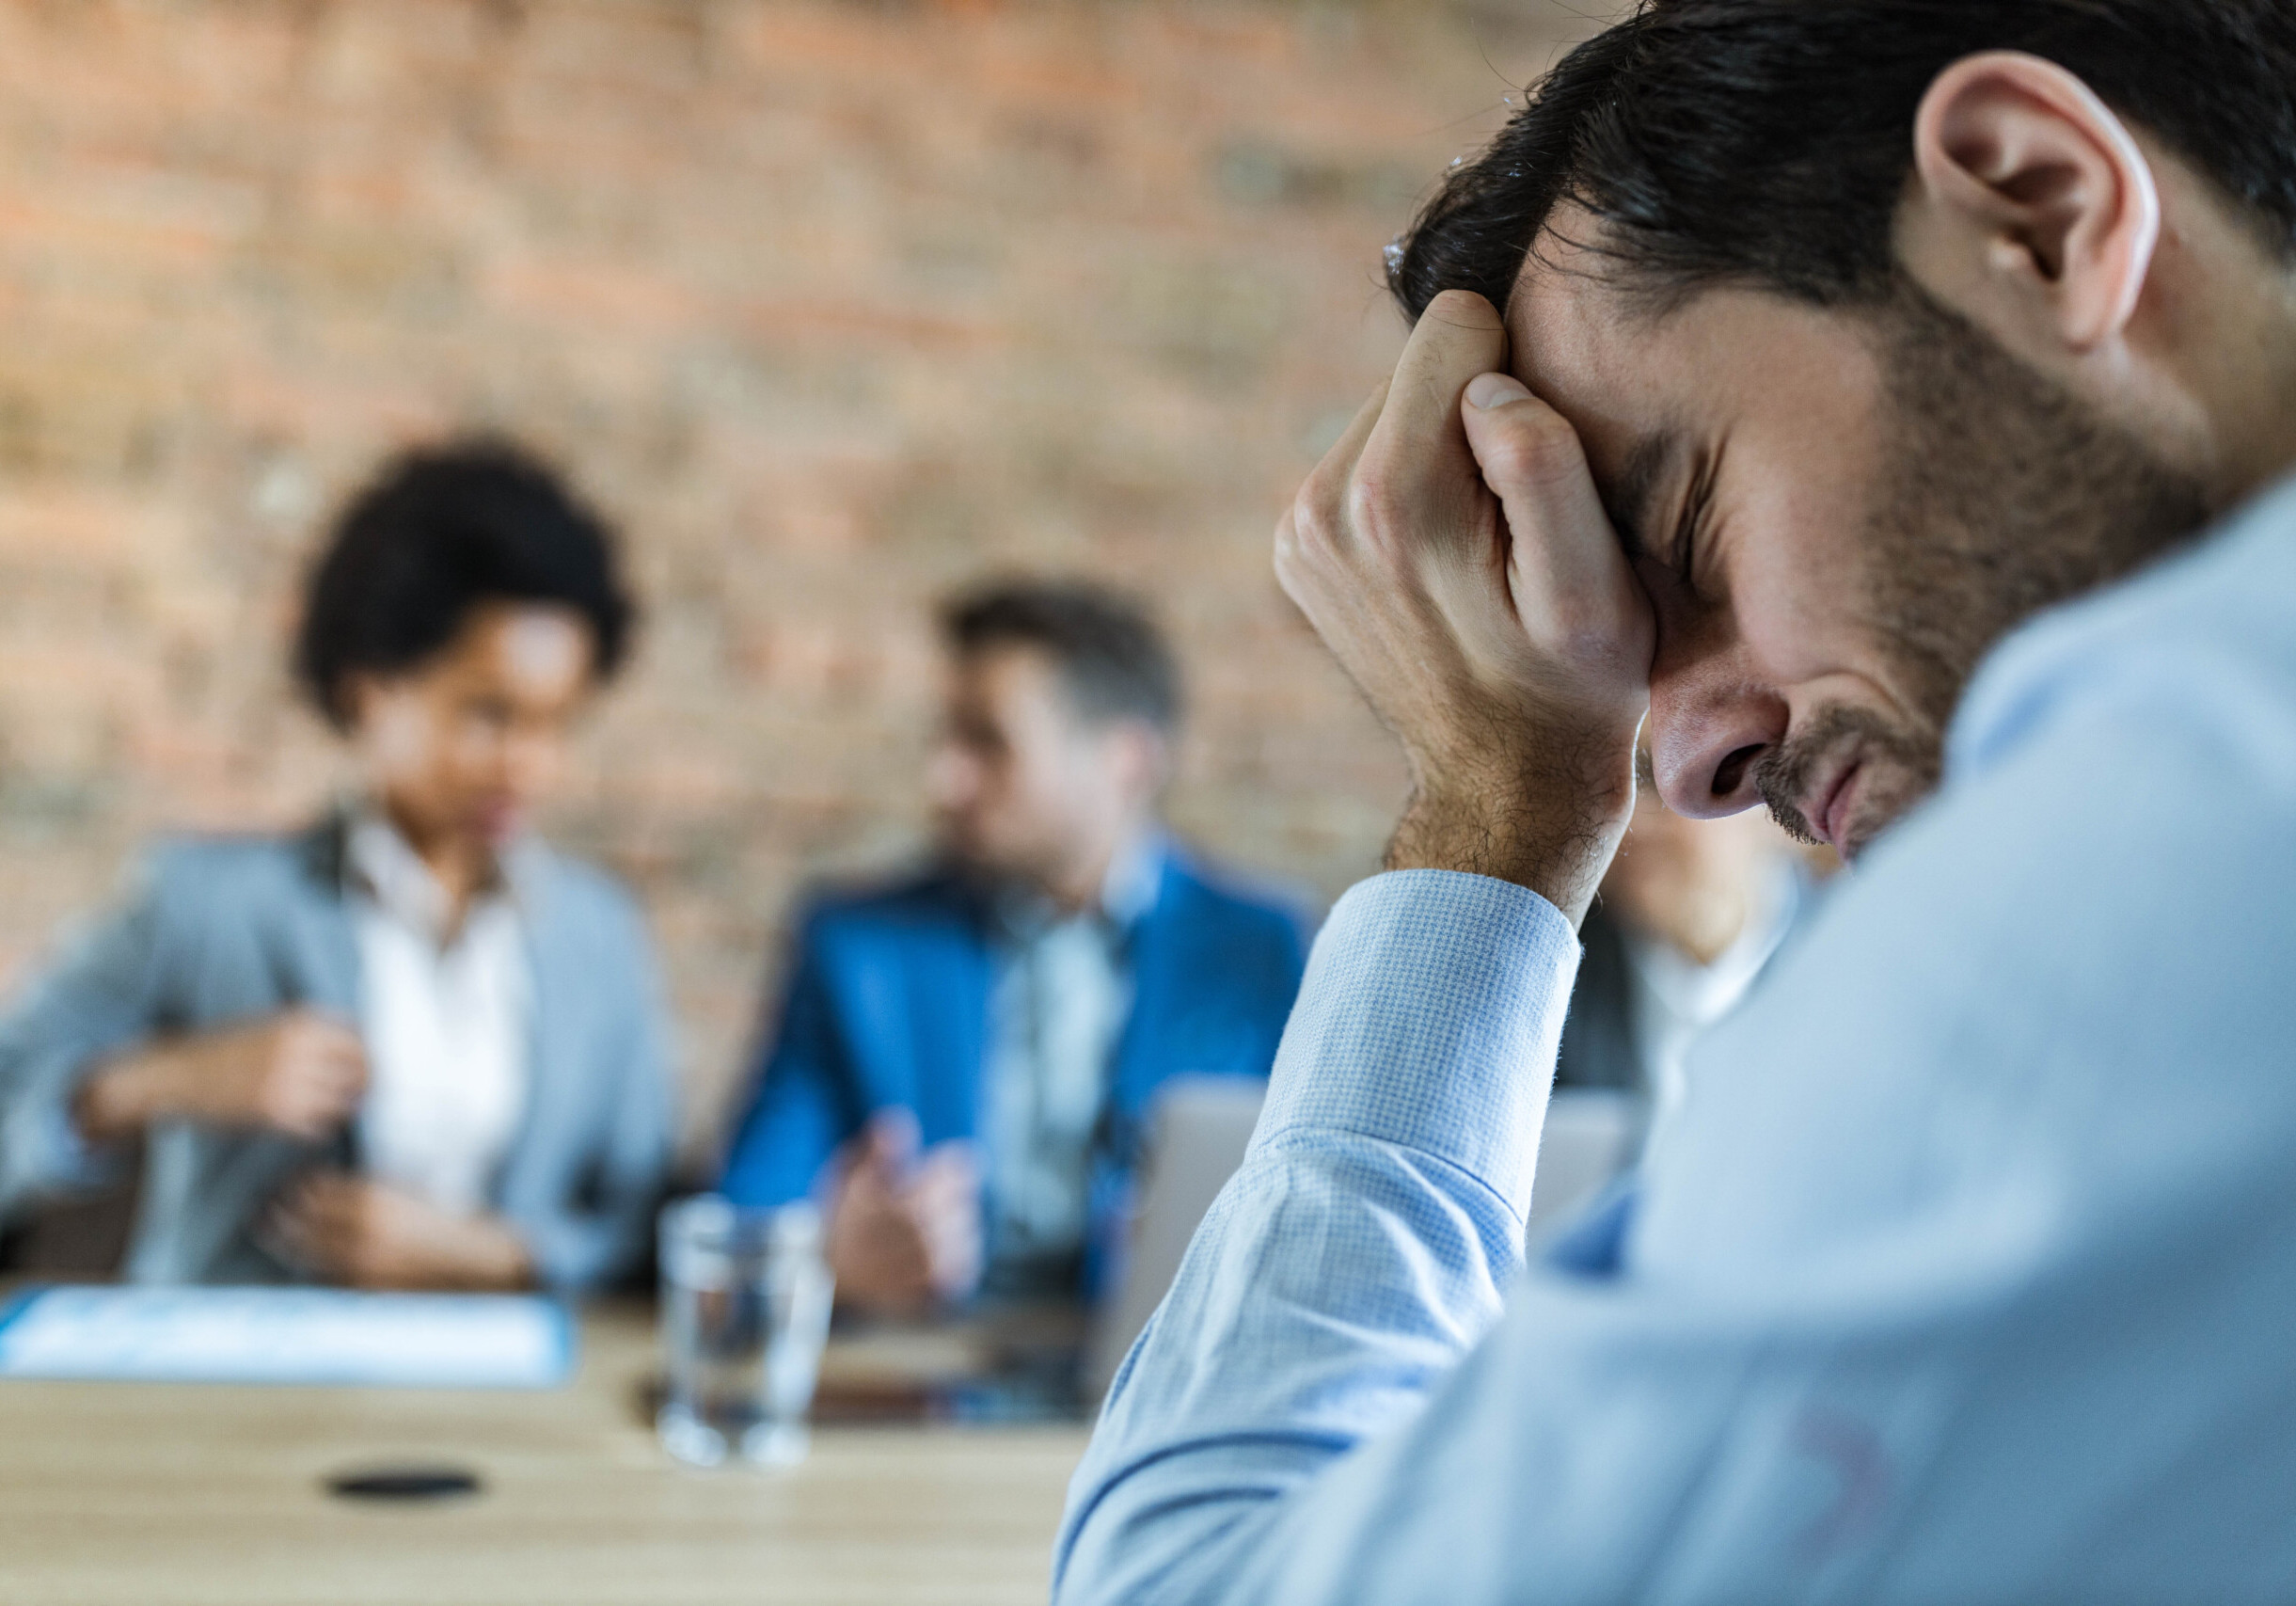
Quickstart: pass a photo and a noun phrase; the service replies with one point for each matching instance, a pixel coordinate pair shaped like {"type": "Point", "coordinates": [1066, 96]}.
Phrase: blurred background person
{"type": "Point", "coordinates": [963, 1058]}
{"type": "Point", "coordinates": [1690, 912]}
{"type": "Point", "coordinates": [409, 1046]}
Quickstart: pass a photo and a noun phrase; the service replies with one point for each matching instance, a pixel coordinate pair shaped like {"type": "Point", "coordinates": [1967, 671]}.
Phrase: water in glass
{"type": "Point", "coordinates": [745, 1306]}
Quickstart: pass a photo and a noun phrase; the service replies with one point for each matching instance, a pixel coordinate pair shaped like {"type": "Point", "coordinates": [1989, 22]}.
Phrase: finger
{"type": "Point", "coordinates": [1317, 516]}
{"type": "Point", "coordinates": [938, 1212]}
{"type": "Point", "coordinates": [1532, 459]}
{"type": "Point", "coordinates": [341, 1084]}
{"type": "Point", "coordinates": [322, 1022]}
{"type": "Point", "coordinates": [327, 1194]}
{"type": "Point", "coordinates": [313, 1110]}
{"type": "Point", "coordinates": [347, 1066]}
{"type": "Point", "coordinates": [1337, 466]}
{"type": "Point", "coordinates": [344, 1059]}
{"type": "Point", "coordinates": [303, 1219]}
{"type": "Point", "coordinates": [951, 1164]}
{"type": "Point", "coordinates": [287, 1217]}
{"type": "Point", "coordinates": [955, 1256]}
{"type": "Point", "coordinates": [311, 1094]}
{"type": "Point", "coordinates": [319, 1038]}
{"type": "Point", "coordinates": [1417, 451]}
{"type": "Point", "coordinates": [287, 1238]}
{"type": "Point", "coordinates": [1573, 585]}
{"type": "Point", "coordinates": [953, 1234]}
{"type": "Point", "coordinates": [943, 1210]}
{"type": "Point", "coordinates": [893, 1140]}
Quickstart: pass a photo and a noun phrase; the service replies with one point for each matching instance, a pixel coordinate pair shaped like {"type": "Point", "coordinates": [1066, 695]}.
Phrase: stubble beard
{"type": "Point", "coordinates": [2002, 495]}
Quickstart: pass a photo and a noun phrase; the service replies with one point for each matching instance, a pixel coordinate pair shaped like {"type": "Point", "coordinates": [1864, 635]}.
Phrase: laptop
{"type": "Point", "coordinates": [1196, 1137]}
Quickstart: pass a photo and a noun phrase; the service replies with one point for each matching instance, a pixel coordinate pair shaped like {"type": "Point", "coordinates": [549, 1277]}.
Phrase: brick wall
{"type": "Point", "coordinates": [832, 305]}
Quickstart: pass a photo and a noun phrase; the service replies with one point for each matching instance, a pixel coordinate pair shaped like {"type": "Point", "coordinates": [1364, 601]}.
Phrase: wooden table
{"type": "Point", "coordinates": [155, 1495]}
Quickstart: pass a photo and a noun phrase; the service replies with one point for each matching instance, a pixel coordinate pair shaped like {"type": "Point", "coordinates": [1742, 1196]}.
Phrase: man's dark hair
{"type": "Point", "coordinates": [1769, 142]}
{"type": "Point", "coordinates": [1112, 658]}
{"type": "Point", "coordinates": [438, 535]}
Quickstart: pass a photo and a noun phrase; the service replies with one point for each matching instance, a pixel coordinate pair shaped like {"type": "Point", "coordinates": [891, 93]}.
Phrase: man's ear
{"type": "Point", "coordinates": [2031, 202]}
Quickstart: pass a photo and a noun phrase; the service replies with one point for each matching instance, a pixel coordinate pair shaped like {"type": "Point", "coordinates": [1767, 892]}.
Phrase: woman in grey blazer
{"type": "Point", "coordinates": [410, 1046]}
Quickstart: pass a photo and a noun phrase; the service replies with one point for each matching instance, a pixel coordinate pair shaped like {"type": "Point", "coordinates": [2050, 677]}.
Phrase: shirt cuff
{"type": "Point", "coordinates": [1430, 1018]}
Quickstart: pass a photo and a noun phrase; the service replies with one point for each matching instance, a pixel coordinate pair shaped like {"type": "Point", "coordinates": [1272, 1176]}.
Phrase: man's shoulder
{"type": "Point", "coordinates": [923, 899]}
{"type": "Point", "coordinates": [2205, 635]}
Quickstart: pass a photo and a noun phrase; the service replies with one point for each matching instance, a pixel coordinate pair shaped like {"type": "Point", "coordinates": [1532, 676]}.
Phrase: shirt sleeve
{"type": "Point", "coordinates": [1398, 1142]}
{"type": "Point", "coordinates": [797, 1113]}
{"type": "Point", "coordinates": [1965, 1276]}
{"type": "Point", "coordinates": [99, 995]}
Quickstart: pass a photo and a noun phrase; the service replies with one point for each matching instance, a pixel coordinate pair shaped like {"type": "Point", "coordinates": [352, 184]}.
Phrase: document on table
{"type": "Point", "coordinates": [287, 1335]}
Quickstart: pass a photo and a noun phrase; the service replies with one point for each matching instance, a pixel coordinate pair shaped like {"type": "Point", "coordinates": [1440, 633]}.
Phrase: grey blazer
{"type": "Point", "coordinates": [227, 929]}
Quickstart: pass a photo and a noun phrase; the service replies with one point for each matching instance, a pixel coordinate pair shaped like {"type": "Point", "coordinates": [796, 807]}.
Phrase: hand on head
{"type": "Point", "coordinates": [1454, 554]}
{"type": "Point", "coordinates": [904, 1229]}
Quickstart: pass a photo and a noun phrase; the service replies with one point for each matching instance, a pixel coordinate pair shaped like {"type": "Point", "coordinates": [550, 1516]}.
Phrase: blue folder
{"type": "Point", "coordinates": [287, 1335]}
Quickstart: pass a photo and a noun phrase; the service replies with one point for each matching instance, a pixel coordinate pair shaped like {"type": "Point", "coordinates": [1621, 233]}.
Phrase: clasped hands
{"type": "Point", "coordinates": [1453, 553]}
{"type": "Point", "coordinates": [301, 1073]}
{"type": "Point", "coordinates": [904, 1235]}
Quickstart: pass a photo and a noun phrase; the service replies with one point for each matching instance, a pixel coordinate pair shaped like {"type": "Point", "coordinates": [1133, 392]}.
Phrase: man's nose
{"type": "Point", "coordinates": [1710, 726]}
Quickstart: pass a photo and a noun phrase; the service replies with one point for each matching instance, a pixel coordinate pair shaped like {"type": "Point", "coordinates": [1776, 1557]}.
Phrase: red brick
{"type": "Point", "coordinates": [832, 304]}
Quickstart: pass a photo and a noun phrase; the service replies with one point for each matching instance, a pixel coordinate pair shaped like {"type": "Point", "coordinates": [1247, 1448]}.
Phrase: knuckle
{"type": "Point", "coordinates": [1535, 450]}
{"type": "Point", "coordinates": [1303, 525]}
{"type": "Point", "coordinates": [1307, 535]}
{"type": "Point", "coordinates": [1373, 503]}
{"type": "Point", "coordinates": [1324, 492]}
{"type": "Point", "coordinates": [1464, 308]}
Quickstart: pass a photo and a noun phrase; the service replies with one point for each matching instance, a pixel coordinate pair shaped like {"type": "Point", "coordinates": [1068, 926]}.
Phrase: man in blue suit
{"type": "Point", "coordinates": [964, 1059]}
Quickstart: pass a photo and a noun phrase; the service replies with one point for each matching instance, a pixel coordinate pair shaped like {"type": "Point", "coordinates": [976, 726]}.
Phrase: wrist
{"type": "Point", "coordinates": [1555, 837]}
{"type": "Point", "coordinates": [487, 1255]}
{"type": "Point", "coordinates": [501, 1256]}
{"type": "Point", "coordinates": [123, 1096]}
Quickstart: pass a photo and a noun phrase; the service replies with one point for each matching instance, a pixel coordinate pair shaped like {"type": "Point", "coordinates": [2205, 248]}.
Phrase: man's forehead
{"type": "Point", "coordinates": [1593, 344]}
{"type": "Point", "coordinates": [1646, 383]}
{"type": "Point", "coordinates": [1604, 362]}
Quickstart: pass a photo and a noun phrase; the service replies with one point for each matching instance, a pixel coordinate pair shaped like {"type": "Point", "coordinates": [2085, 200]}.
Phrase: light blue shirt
{"type": "Point", "coordinates": [1967, 1276]}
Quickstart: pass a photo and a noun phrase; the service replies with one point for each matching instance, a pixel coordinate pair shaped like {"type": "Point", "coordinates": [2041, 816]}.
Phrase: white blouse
{"type": "Point", "coordinates": [447, 1022]}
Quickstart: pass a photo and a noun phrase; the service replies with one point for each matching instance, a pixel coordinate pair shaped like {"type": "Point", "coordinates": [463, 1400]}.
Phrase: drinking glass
{"type": "Point", "coordinates": [745, 1305]}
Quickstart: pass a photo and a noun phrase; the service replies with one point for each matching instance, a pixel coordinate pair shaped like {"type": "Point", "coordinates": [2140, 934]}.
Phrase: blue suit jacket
{"type": "Point", "coordinates": [887, 1008]}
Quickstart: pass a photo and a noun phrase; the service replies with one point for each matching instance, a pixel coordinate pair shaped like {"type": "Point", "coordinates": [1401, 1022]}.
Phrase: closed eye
{"type": "Point", "coordinates": [1696, 512]}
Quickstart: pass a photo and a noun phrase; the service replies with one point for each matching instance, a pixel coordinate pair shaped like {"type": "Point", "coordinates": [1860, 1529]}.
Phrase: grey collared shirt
{"type": "Point", "coordinates": [1063, 992]}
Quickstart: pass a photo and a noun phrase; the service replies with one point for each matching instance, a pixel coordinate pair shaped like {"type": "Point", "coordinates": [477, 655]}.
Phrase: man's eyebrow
{"type": "Point", "coordinates": [1630, 498]}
